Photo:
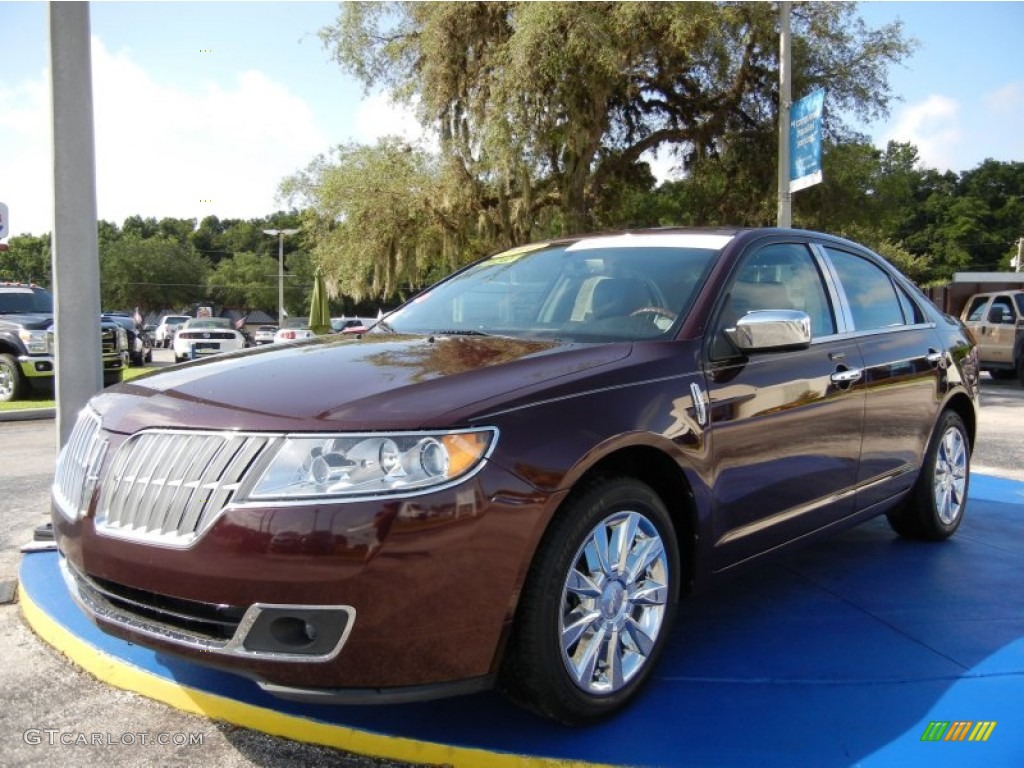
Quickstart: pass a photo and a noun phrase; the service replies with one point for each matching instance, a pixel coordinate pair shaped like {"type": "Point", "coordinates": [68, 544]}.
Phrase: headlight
{"type": "Point", "coordinates": [370, 464]}
{"type": "Point", "coordinates": [35, 342]}
{"type": "Point", "coordinates": [122, 338]}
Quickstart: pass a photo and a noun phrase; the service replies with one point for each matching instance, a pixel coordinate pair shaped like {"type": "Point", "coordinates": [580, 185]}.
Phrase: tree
{"type": "Point", "coordinates": [27, 260]}
{"type": "Point", "coordinates": [541, 105]}
{"type": "Point", "coordinates": [381, 217]}
{"type": "Point", "coordinates": [246, 280]}
{"type": "Point", "coordinates": [152, 273]}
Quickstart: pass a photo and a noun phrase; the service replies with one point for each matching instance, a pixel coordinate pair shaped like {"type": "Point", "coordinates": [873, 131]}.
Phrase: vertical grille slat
{"type": "Point", "coordinates": [170, 486]}
{"type": "Point", "coordinates": [78, 465]}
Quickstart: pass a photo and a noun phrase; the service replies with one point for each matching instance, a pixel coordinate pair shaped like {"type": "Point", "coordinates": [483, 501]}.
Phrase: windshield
{"type": "Point", "coordinates": [22, 301]}
{"type": "Point", "coordinates": [600, 289]}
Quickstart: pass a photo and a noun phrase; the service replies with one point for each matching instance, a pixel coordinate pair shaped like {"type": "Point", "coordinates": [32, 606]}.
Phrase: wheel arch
{"type": "Point", "coordinates": [964, 407]}
{"type": "Point", "coordinates": [666, 478]}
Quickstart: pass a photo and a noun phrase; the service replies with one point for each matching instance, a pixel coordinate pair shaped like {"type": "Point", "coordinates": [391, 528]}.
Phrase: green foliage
{"type": "Point", "coordinates": [152, 273]}
{"type": "Point", "coordinates": [246, 280]}
{"type": "Point", "coordinates": [543, 113]}
{"type": "Point", "coordinates": [27, 260]}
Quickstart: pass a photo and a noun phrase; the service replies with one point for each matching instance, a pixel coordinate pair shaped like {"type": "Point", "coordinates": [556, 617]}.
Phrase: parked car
{"type": "Point", "coordinates": [203, 336]}
{"type": "Point", "coordinates": [997, 321]}
{"type": "Point", "coordinates": [166, 328]}
{"type": "Point", "coordinates": [264, 334]}
{"type": "Point", "coordinates": [514, 477]}
{"type": "Point", "coordinates": [140, 347]}
{"type": "Point", "coordinates": [294, 330]}
{"type": "Point", "coordinates": [27, 359]}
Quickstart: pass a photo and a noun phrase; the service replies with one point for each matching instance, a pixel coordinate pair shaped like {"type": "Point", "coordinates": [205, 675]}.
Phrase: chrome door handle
{"type": "Point", "coordinates": [848, 376]}
{"type": "Point", "coordinates": [936, 358]}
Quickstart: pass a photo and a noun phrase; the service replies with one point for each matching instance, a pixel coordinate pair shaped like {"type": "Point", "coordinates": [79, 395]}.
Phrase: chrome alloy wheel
{"type": "Point", "coordinates": [949, 480]}
{"type": "Point", "coordinates": [613, 602]}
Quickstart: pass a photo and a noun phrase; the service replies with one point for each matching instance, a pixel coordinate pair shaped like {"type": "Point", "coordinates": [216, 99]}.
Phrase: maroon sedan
{"type": "Point", "coordinates": [513, 478]}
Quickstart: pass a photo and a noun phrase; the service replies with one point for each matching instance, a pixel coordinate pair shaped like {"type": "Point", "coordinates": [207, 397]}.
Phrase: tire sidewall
{"type": "Point", "coordinates": [556, 557]}
{"type": "Point", "coordinates": [926, 492]}
{"type": "Point", "coordinates": [13, 371]}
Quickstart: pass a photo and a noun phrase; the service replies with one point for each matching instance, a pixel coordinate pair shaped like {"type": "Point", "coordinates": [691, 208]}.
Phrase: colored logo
{"type": "Point", "coordinates": [958, 730]}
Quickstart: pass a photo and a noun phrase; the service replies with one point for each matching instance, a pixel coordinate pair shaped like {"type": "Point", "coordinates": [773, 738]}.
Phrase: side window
{"type": "Point", "coordinates": [778, 276]}
{"type": "Point", "coordinates": [874, 301]}
{"type": "Point", "coordinates": [977, 311]}
{"type": "Point", "coordinates": [1002, 310]}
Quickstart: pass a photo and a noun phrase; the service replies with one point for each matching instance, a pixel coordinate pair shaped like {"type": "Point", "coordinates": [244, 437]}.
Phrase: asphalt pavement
{"type": "Point", "coordinates": [58, 714]}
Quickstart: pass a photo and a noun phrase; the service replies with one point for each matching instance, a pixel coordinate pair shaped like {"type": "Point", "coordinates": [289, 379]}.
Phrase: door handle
{"type": "Point", "coordinates": [847, 376]}
{"type": "Point", "coordinates": [936, 358]}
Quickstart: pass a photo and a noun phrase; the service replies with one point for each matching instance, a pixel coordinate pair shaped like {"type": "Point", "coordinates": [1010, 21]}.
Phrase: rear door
{"type": "Point", "coordinates": [903, 365]}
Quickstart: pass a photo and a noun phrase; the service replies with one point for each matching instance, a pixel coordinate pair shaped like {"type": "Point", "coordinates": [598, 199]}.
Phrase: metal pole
{"type": "Point", "coordinates": [280, 235]}
{"type": "Point", "coordinates": [785, 217]}
{"type": "Point", "coordinates": [280, 279]}
{"type": "Point", "coordinates": [75, 255]}
{"type": "Point", "coordinates": [1020, 254]}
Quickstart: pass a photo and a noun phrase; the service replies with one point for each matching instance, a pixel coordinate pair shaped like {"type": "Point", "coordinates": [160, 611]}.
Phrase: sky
{"type": "Point", "coordinates": [202, 108]}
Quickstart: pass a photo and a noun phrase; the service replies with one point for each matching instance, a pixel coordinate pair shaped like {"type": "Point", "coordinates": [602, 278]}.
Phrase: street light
{"type": "Point", "coordinates": [280, 235]}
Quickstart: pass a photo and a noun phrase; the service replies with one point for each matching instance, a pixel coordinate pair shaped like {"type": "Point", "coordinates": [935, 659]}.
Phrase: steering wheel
{"type": "Point", "coordinates": [659, 311]}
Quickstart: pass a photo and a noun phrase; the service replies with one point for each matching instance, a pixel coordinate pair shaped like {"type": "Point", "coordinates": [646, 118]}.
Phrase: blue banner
{"type": "Point", "coordinates": [805, 141]}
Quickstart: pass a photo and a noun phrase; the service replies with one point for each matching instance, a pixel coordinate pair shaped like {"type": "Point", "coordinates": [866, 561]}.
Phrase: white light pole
{"type": "Point", "coordinates": [280, 235]}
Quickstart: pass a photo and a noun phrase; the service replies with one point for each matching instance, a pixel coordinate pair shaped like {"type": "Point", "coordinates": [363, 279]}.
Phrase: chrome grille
{"type": "Point", "coordinates": [108, 340]}
{"type": "Point", "coordinates": [169, 486]}
{"type": "Point", "coordinates": [78, 466]}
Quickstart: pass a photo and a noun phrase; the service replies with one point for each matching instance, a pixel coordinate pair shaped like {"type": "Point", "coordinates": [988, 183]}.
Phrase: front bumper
{"type": "Point", "coordinates": [426, 585]}
{"type": "Point", "coordinates": [36, 366]}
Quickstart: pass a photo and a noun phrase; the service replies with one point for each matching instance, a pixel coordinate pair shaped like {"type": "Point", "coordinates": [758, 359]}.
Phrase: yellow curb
{"type": "Point", "coordinates": [122, 674]}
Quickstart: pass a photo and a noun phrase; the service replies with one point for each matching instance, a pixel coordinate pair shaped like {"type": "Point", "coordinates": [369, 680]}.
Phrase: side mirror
{"type": "Point", "coordinates": [1000, 315]}
{"type": "Point", "coordinates": [771, 329]}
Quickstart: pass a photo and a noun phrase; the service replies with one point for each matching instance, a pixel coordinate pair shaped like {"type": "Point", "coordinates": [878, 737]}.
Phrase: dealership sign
{"type": "Point", "coordinates": [805, 141]}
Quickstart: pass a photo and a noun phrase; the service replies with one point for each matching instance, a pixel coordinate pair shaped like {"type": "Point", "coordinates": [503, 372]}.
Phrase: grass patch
{"type": "Point", "coordinates": [44, 400]}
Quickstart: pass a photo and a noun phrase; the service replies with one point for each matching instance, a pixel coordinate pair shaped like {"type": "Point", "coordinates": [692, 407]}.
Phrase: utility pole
{"type": "Point", "coordinates": [1019, 261]}
{"type": "Point", "coordinates": [785, 217]}
{"type": "Point", "coordinates": [75, 256]}
{"type": "Point", "coordinates": [280, 234]}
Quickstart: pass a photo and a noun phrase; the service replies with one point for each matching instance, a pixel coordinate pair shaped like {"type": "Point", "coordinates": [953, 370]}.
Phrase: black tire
{"type": "Point", "coordinates": [938, 500]}
{"type": "Point", "coordinates": [1020, 369]}
{"type": "Point", "coordinates": [541, 675]}
{"type": "Point", "coordinates": [12, 383]}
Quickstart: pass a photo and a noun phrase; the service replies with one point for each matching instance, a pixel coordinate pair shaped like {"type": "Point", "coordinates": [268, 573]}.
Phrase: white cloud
{"type": "Point", "coordinates": [220, 149]}
{"type": "Point", "coordinates": [933, 126]}
{"type": "Point", "coordinates": [161, 150]}
{"type": "Point", "coordinates": [379, 116]}
{"type": "Point", "coordinates": [1006, 100]}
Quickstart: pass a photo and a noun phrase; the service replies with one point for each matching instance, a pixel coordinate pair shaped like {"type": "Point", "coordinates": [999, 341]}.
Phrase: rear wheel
{"type": "Point", "coordinates": [12, 383]}
{"type": "Point", "coordinates": [936, 505]}
{"type": "Point", "coordinates": [1020, 369]}
{"type": "Point", "coordinates": [598, 604]}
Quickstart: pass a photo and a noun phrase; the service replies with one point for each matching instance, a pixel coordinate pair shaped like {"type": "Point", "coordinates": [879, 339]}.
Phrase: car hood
{"type": "Point", "coordinates": [369, 383]}
{"type": "Point", "coordinates": [33, 321]}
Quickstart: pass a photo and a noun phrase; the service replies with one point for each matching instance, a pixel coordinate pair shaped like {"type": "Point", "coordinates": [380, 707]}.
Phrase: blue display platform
{"type": "Point", "coordinates": [843, 654]}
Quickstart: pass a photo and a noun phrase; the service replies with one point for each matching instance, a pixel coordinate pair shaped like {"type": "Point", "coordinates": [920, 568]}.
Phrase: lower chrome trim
{"type": "Point", "coordinates": [98, 608]}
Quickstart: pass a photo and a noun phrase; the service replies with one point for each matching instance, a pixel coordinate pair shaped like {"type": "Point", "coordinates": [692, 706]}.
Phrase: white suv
{"type": "Point", "coordinates": [168, 325]}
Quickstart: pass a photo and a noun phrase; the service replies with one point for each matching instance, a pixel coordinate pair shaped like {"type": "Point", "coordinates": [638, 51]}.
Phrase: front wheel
{"type": "Point", "coordinates": [598, 604]}
{"type": "Point", "coordinates": [12, 383]}
{"type": "Point", "coordinates": [936, 505]}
